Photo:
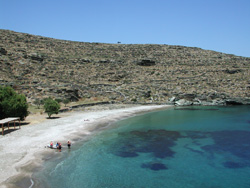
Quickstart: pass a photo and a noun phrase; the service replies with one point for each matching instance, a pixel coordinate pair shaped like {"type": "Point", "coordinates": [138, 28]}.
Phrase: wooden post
{"type": "Point", "coordinates": [14, 124]}
{"type": "Point", "coordinates": [19, 124]}
{"type": "Point", "coordinates": [2, 129]}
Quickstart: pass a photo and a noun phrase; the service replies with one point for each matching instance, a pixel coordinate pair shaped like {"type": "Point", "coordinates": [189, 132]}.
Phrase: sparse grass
{"type": "Point", "coordinates": [112, 67]}
{"type": "Point", "coordinates": [33, 109]}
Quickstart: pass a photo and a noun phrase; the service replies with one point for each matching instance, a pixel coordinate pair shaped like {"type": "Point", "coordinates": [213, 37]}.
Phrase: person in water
{"type": "Point", "coordinates": [60, 146]}
{"type": "Point", "coordinates": [69, 144]}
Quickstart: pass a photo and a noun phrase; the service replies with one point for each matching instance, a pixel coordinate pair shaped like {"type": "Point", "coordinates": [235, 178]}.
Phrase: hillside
{"type": "Point", "coordinates": [40, 67]}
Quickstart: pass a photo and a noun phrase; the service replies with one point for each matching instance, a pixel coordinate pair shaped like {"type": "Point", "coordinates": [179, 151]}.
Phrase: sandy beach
{"type": "Point", "coordinates": [26, 146]}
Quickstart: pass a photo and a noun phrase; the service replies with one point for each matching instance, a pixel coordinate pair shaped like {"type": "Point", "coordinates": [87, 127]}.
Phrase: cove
{"type": "Point", "coordinates": [178, 147]}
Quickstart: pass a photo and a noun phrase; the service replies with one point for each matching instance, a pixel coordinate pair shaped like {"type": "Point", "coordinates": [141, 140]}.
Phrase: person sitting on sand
{"type": "Point", "coordinates": [69, 144]}
{"type": "Point", "coordinates": [51, 144]}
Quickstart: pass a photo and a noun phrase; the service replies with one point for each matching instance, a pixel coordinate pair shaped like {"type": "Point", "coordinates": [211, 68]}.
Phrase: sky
{"type": "Point", "coordinates": [219, 25]}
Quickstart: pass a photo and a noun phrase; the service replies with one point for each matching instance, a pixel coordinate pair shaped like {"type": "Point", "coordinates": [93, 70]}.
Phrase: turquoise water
{"type": "Point", "coordinates": [204, 147]}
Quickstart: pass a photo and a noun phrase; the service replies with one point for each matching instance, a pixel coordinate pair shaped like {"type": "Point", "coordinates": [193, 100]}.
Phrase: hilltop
{"type": "Point", "coordinates": [40, 67]}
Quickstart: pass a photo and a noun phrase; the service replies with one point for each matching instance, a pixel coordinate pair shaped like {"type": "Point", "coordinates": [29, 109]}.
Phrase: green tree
{"type": "Point", "coordinates": [66, 101]}
{"type": "Point", "coordinates": [12, 104]}
{"type": "Point", "coordinates": [51, 106]}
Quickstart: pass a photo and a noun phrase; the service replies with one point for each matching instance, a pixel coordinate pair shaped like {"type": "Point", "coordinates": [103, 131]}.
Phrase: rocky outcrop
{"type": "Point", "coordinates": [232, 71]}
{"type": "Point", "coordinates": [238, 101]}
{"type": "Point", "coordinates": [146, 62]}
{"type": "Point", "coordinates": [183, 102]}
{"type": "Point", "coordinates": [215, 102]}
{"type": "Point", "coordinates": [34, 56]}
{"type": "Point", "coordinates": [3, 51]}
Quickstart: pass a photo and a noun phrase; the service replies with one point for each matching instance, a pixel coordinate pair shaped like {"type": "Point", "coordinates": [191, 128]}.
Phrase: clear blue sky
{"type": "Point", "coordinates": [220, 25]}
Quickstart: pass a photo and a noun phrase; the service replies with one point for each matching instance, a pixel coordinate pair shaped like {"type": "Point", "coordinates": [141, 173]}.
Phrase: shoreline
{"type": "Point", "coordinates": [23, 150]}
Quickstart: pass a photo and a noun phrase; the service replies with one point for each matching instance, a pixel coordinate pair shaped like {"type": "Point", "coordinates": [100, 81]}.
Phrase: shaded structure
{"type": "Point", "coordinates": [8, 121]}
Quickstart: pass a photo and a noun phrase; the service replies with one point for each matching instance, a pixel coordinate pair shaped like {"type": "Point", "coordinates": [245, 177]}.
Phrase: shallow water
{"type": "Point", "coordinates": [180, 147]}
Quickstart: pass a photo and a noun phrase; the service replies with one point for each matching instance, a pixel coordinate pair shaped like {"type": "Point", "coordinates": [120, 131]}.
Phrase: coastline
{"type": "Point", "coordinates": [24, 149]}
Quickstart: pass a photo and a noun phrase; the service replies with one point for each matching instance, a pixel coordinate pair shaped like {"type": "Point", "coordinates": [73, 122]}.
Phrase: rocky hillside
{"type": "Point", "coordinates": [40, 67]}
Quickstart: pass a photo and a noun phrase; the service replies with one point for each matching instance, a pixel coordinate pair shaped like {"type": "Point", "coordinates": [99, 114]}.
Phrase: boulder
{"type": "Point", "coordinates": [183, 102]}
{"type": "Point", "coordinates": [3, 51]}
{"type": "Point", "coordinates": [219, 102]}
{"type": "Point", "coordinates": [232, 71]}
{"type": "Point", "coordinates": [34, 56]}
{"type": "Point", "coordinates": [215, 102]}
{"type": "Point", "coordinates": [206, 103]}
{"type": "Point", "coordinates": [146, 62]}
{"type": "Point", "coordinates": [39, 89]}
{"type": "Point", "coordinates": [104, 61]}
{"type": "Point", "coordinates": [234, 102]}
{"type": "Point", "coordinates": [172, 99]}
{"type": "Point", "coordinates": [197, 101]}
{"type": "Point", "coordinates": [147, 94]}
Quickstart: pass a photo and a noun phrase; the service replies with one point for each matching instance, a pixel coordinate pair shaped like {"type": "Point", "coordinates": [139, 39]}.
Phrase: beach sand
{"type": "Point", "coordinates": [24, 149]}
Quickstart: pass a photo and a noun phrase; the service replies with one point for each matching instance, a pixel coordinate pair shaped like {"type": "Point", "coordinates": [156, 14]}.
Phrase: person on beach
{"type": "Point", "coordinates": [69, 144]}
{"type": "Point", "coordinates": [57, 145]}
{"type": "Point", "coordinates": [60, 145]}
{"type": "Point", "coordinates": [51, 144]}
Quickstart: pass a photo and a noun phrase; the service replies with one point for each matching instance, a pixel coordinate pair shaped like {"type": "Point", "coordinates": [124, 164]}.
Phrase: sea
{"type": "Point", "coordinates": [179, 147]}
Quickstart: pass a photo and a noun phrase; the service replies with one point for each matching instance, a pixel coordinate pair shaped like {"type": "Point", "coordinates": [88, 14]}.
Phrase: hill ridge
{"type": "Point", "coordinates": [139, 73]}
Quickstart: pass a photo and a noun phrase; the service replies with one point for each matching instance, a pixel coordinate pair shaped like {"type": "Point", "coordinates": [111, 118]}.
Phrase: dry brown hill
{"type": "Point", "coordinates": [143, 73]}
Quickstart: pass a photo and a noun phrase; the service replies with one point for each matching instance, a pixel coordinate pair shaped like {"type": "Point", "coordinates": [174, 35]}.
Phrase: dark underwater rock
{"type": "Point", "coordinates": [157, 142]}
{"type": "Point", "coordinates": [230, 164]}
{"type": "Point", "coordinates": [154, 166]}
{"type": "Point", "coordinates": [235, 142]}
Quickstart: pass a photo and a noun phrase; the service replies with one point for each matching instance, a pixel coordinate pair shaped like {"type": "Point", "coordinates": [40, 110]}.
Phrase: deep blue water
{"type": "Point", "coordinates": [204, 147]}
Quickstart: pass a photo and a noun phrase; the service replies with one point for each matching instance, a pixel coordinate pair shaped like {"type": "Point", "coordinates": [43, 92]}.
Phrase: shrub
{"type": "Point", "coordinates": [58, 100]}
{"type": "Point", "coordinates": [38, 102]}
{"type": "Point", "coordinates": [66, 101]}
{"type": "Point", "coordinates": [51, 107]}
{"type": "Point", "coordinates": [12, 104]}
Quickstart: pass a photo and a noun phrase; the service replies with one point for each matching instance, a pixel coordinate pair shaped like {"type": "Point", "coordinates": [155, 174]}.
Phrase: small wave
{"type": "Point", "coordinates": [59, 165]}
{"type": "Point", "coordinates": [32, 183]}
